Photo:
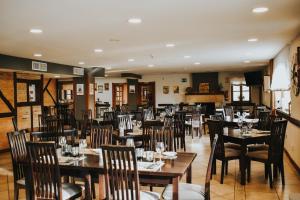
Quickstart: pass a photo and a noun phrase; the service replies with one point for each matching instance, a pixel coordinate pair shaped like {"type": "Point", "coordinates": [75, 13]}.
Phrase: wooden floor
{"type": "Point", "coordinates": [231, 189]}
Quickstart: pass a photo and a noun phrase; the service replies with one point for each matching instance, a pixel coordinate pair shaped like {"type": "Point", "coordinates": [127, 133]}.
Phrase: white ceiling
{"type": "Point", "coordinates": [212, 32]}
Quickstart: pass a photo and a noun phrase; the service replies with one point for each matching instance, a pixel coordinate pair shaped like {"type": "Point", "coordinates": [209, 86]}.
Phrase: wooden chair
{"type": "Point", "coordinates": [216, 117]}
{"type": "Point", "coordinates": [147, 131]}
{"type": "Point", "coordinates": [179, 133]}
{"type": "Point", "coordinates": [189, 191]}
{"type": "Point", "coordinates": [264, 120]}
{"type": "Point", "coordinates": [197, 123]}
{"type": "Point", "coordinates": [228, 110]}
{"type": "Point", "coordinates": [274, 155]}
{"type": "Point", "coordinates": [162, 134]}
{"type": "Point", "coordinates": [168, 121]}
{"type": "Point", "coordinates": [45, 174]}
{"type": "Point", "coordinates": [101, 135]}
{"type": "Point", "coordinates": [125, 122]}
{"type": "Point", "coordinates": [222, 153]}
{"type": "Point", "coordinates": [121, 174]}
{"type": "Point", "coordinates": [17, 144]}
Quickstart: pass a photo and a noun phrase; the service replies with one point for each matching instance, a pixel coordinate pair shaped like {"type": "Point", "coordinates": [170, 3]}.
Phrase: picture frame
{"type": "Point", "coordinates": [106, 86]}
{"type": "Point", "coordinates": [165, 89]}
{"type": "Point", "coordinates": [80, 89]}
{"type": "Point", "coordinates": [176, 89]}
{"type": "Point", "coordinates": [100, 88]}
{"type": "Point", "coordinates": [131, 89]}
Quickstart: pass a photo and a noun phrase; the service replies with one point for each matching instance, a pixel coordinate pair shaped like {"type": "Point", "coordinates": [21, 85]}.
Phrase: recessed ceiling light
{"type": "Point", "coordinates": [187, 57]}
{"type": "Point", "coordinates": [108, 67]}
{"type": "Point", "coordinates": [81, 63]}
{"type": "Point", "coordinates": [36, 31]}
{"type": "Point", "coordinates": [252, 40]}
{"type": "Point", "coordinates": [247, 61]}
{"type": "Point", "coordinates": [197, 63]}
{"type": "Point", "coordinates": [37, 55]}
{"type": "Point", "coordinates": [260, 10]}
{"type": "Point", "coordinates": [135, 20]}
{"type": "Point", "coordinates": [130, 60]}
{"type": "Point", "coordinates": [170, 45]}
{"type": "Point", "coordinates": [150, 65]}
{"type": "Point", "coordinates": [98, 50]}
{"type": "Point", "coordinates": [56, 76]}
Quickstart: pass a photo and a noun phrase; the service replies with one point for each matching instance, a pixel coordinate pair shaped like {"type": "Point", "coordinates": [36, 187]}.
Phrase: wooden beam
{"type": "Point", "coordinates": [7, 103]}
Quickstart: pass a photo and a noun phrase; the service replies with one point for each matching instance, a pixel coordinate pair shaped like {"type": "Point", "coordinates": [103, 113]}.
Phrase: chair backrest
{"type": "Point", "coordinates": [216, 127]}
{"type": "Point", "coordinates": [228, 110]}
{"type": "Point", "coordinates": [216, 117]}
{"type": "Point", "coordinates": [108, 116]}
{"type": "Point", "coordinates": [180, 116]}
{"type": "Point", "coordinates": [147, 131]}
{"type": "Point", "coordinates": [276, 146]}
{"type": "Point", "coordinates": [209, 169]}
{"type": "Point", "coordinates": [264, 120]}
{"type": "Point", "coordinates": [125, 122]}
{"type": "Point", "coordinates": [120, 172]}
{"type": "Point", "coordinates": [101, 135]}
{"type": "Point", "coordinates": [162, 134]}
{"type": "Point", "coordinates": [17, 144]}
{"type": "Point", "coordinates": [53, 124]}
{"type": "Point", "coordinates": [47, 137]}
{"type": "Point", "coordinates": [168, 121]}
{"type": "Point", "coordinates": [45, 174]}
{"type": "Point", "coordinates": [196, 119]}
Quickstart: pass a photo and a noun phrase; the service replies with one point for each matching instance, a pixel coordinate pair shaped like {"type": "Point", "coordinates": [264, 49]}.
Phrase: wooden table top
{"type": "Point", "coordinates": [235, 136]}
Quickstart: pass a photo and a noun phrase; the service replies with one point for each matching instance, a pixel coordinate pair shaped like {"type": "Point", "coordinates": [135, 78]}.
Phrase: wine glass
{"type": "Point", "coordinates": [62, 143]}
{"type": "Point", "coordinates": [160, 147]}
{"type": "Point", "coordinates": [238, 114]}
{"type": "Point", "coordinates": [130, 142]}
{"type": "Point", "coordinates": [82, 146]}
{"type": "Point", "coordinates": [240, 123]}
{"type": "Point", "coordinates": [250, 125]}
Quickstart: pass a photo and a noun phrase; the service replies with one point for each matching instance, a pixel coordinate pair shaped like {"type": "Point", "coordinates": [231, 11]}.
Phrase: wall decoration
{"type": "Point", "coordinates": [80, 89]}
{"type": "Point", "coordinates": [183, 80]}
{"type": "Point", "coordinates": [100, 88]}
{"type": "Point", "coordinates": [166, 89]}
{"type": "Point", "coordinates": [204, 87]}
{"type": "Point", "coordinates": [176, 89]}
{"type": "Point", "coordinates": [132, 89]}
{"type": "Point", "coordinates": [106, 86]}
{"type": "Point", "coordinates": [296, 74]}
{"type": "Point", "coordinates": [91, 89]}
{"type": "Point", "coordinates": [32, 94]}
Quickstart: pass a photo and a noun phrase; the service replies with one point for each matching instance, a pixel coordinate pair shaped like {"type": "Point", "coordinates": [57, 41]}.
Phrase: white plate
{"type": "Point", "coordinates": [169, 153]}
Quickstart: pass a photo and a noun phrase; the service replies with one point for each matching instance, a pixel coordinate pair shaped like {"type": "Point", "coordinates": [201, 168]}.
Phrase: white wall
{"type": "Point", "coordinates": [170, 80]}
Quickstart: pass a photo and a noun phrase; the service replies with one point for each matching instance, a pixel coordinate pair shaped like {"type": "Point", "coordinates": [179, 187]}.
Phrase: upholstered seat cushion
{"type": "Point", "coordinates": [232, 146]}
{"type": "Point", "coordinates": [258, 147]}
{"type": "Point", "coordinates": [70, 190]}
{"type": "Point", "coordinates": [261, 155]}
{"type": "Point", "coordinates": [21, 181]}
{"type": "Point", "coordinates": [186, 192]}
{"type": "Point", "coordinates": [229, 152]}
{"type": "Point", "coordinates": [145, 195]}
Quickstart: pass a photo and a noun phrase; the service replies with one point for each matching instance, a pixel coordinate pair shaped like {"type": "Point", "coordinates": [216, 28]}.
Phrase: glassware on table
{"type": "Point", "coordinates": [82, 146]}
{"type": "Point", "coordinates": [130, 142]}
{"type": "Point", "coordinates": [250, 125]}
{"type": "Point", "coordinates": [62, 143]}
{"type": "Point", "coordinates": [244, 130]}
{"type": "Point", "coordinates": [159, 147]}
{"type": "Point", "coordinates": [75, 151]}
{"type": "Point", "coordinates": [139, 152]}
{"type": "Point", "coordinates": [240, 123]}
{"type": "Point", "coordinates": [238, 114]}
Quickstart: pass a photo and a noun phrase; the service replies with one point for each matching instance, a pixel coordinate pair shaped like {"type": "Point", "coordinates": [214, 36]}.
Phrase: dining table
{"type": "Point", "coordinates": [253, 136]}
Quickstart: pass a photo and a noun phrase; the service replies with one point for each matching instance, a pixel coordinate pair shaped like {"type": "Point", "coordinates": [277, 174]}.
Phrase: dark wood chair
{"type": "Point", "coordinates": [191, 191]}
{"type": "Point", "coordinates": [168, 121]}
{"type": "Point", "coordinates": [162, 134]}
{"type": "Point", "coordinates": [216, 117]}
{"type": "Point", "coordinates": [272, 156]}
{"type": "Point", "coordinates": [228, 110]}
{"type": "Point", "coordinates": [222, 153]}
{"type": "Point", "coordinates": [179, 134]}
{"type": "Point", "coordinates": [17, 144]}
{"type": "Point", "coordinates": [121, 174]}
{"type": "Point", "coordinates": [147, 131]}
{"type": "Point", "coordinates": [101, 135]}
{"type": "Point", "coordinates": [264, 120]}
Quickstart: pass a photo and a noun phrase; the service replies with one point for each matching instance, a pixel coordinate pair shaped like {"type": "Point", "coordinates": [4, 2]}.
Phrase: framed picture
{"type": "Point", "coordinates": [132, 89]}
{"type": "Point", "coordinates": [166, 89]}
{"type": "Point", "coordinates": [91, 89]}
{"type": "Point", "coordinates": [176, 89]}
{"type": "Point", "coordinates": [100, 88]}
{"type": "Point", "coordinates": [80, 89]}
{"type": "Point", "coordinates": [106, 86]}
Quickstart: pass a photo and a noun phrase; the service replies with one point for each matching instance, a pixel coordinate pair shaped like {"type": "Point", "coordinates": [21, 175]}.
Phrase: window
{"type": "Point", "coordinates": [240, 93]}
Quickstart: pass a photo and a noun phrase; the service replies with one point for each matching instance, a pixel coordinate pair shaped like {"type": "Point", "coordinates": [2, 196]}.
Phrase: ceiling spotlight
{"type": "Point", "coordinates": [36, 31]}
{"type": "Point", "coordinates": [81, 63]}
{"type": "Point", "coordinates": [130, 60]}
{"type": "Point", "coordinates": [252, 40]}
{"type": "Point", "coordinates": [247, 61]}
{"type": "Point", "coordinates": [37, 55]}
{"type": "Point", "coordinates": [150, 65]}
{"type": "Point", "coordinates": [186, 57]}
{"type": "Point", "coordinates": [196, 63]}
{"type": "Point", "coordinates": [170, 45]}
{"type": "Point", "coordinates": [98, 50]}
{"type": "Point", "coordinates": [260, 10]}
{"type": "Point", "coordinates": [135, 20]}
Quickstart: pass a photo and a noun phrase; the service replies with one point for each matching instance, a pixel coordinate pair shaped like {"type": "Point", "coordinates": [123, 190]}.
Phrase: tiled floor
{"type": "Point", "coordinates": [258, 188]}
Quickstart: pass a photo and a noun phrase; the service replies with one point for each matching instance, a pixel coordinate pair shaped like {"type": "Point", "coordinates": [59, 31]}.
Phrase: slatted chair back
{"type": "Point", "coordinates": [216, 117]}
{"type": "Point", "coordinates": [179, 134]}
{"type": "Point", "coordinates": [17, 144]}
{"type": "Point", "coordinates": [45, 174]}
{"type": "Point", "coordinates": [101, 135]}
{"type": "Point", "coordinates": [196, 119]}
{"type": "Point", "coordinates": [71, 120]}
{"type": "Point", "coordinates": [147, 131]}
{"type": "Point", "coordinates": [47, 137]}
{"type": "Point", "coordinates": [109, 116]}
{"type": "Point", "coordinates": [209, 169]}
{"type": "Point", "coordinates": [168, 121]}
{"type": "Point", "coordinates": [162, 134]}
{"type": "Point", "coordinates": [180, 116]}
{"type": "Point", "coordinates": [264, 120]}
{"type": "Point", "coordinates": [120, 171]}
{"type": "Point", "coordinates": [276, 147]}
{"type": "Point", "coordinates": [125, 122]}
{"type": "Point", "coordinates": [216, 127]}
{"type": "Point", "coordinates": [228, 110]}
{"type": "Point", "coordinates": [53, 124]}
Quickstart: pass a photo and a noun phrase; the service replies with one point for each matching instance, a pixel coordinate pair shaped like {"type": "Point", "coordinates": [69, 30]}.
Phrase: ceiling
{"type": "Point", "coordinates": [212, 32]}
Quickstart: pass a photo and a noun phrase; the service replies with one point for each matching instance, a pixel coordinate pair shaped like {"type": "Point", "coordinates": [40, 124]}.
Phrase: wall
{"type": "Point", "coordinates": [52, 90]}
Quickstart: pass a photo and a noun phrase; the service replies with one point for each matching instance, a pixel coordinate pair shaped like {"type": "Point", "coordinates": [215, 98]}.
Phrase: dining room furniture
{"type": "Point", "coordinates": [274, 154]}
{"type": "Point", "coordinates": [228, 111]}
{"type": "Point", "coordinates": [264, 120]}
{"type": "Point", "coordinates": [45, 181]}
{"type": "Point", "coordinates": [168, 121]}
{"type": "Point", "coordinates": [125, 122]}
{"type": "Point", "coordinates": [17, 144]}
{"type": "Point", "coordinates": [162, 134]}
{"type": "Point", "coordinates": [101, 135]}
{"type": "Point", "coordinates": [255, 136]}
{"type": "Point", "coordinates": [121, 174]}
{"type": "Point", "coordinates": [179, 130]}
{"type": "Point", "coordinates": [222, 153]}
{"type": "Point", "coordinates": [189, 191]}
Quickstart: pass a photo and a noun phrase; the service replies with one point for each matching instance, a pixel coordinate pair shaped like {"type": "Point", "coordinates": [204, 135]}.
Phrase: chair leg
{"type": "Point", "coordinates": [16, 192]}
{"type": "Point", "coordinates": [282, 173]}
{"type": "Point", "coordinates": [249, 170]}
{"type": "Point", "coordinates": [151, 188]}
{"type": "Point", "coordinates": [275, 171]}
{"type": "Point", "coordinates": [222, 171]}
{"type": "Point", "coordinates": [226, 168]}
{"type": "Point", "coordinates": [266, 171]}
{"type": "Point", "coordinates": [93, 190]}
{"type": "Point", "coordinates": [215, 166]}
{"type": "Point", "coordinates": [270, 175]}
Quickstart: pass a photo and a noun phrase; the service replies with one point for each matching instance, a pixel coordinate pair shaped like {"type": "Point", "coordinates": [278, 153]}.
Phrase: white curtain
{"type": "Point", "coordinates": [281, 80]}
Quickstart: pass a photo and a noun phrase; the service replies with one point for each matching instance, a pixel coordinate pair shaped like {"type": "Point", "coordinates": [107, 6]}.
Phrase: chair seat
{"type": "Point", "coordinates": [232, 153]}
{"type": "Point", "coordinates": [186, 192]}
{"type": "Point", "coordinates": [21, 182]}
{"type": "Point", "coordinates": [232, 146]}
{"type": "Point", "coordinates": [258, 155]}
{"type": "Point", "coordinates": [144, 195]}
{"type": "Point", "coordinates": [258, 147]}
{"type": "Point", "coordinates": [70, 190]}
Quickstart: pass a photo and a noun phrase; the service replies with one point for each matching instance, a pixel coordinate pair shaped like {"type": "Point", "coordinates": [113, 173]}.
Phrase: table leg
{"type": "Point", "coordinates": [88, 188]}
{"type": "Point", "coordinates": [189, 174]}
{"type": "Point", "coordinates": [101, 187]}
{"type": "Point", "coordinates": [175, 182]}
{"type": "Point", "coordinates": [243, 164]}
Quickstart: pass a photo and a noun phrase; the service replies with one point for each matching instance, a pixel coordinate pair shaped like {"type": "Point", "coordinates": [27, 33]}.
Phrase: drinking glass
{"type": "Point", "coordinates": [62, 143]}
{"type": "Point", "coordinates": [130, 142]}
{"type": "Point", "coordinates": [159, 147]}
{"type": "Point", "coordinates": [240, 123]}
{"type": "Point", "coordinates": [250, 125]}
{"type": "Point", "coordinates": [139, 153]}
{"type": "Point", "coordinates": [82, 146]}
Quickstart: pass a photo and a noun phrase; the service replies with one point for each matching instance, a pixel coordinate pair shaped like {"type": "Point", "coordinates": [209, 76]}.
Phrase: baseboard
{"type": "Point", "coordinates": [292, 161]}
